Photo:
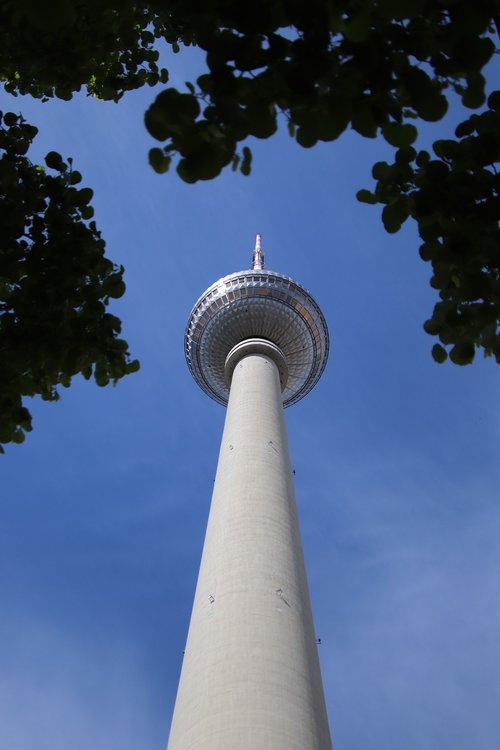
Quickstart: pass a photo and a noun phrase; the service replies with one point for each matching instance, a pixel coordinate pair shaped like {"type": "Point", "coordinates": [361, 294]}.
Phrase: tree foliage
{"type": "Point", "coordinates": [366, 65]}
{"type": "Point", "coordinates": [54, 48]}
{"type": "Point", "coordinates": [376, 66]}
{"type": "Point", "coordinates": [55, 283]}
{"type": "Point", "coordinates": [455, 200]}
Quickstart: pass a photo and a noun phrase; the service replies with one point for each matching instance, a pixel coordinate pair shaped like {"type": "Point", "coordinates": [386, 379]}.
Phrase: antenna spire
{"type": "Point", "coordinates": [258, 255]}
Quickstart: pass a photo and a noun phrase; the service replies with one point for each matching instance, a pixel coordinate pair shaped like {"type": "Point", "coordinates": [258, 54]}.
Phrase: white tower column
{"type": "Point", "coordinates": [250, 678]}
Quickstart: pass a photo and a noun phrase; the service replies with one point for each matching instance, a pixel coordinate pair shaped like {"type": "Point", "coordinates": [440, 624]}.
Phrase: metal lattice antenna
{"type": "Point", "coordinates": [258, 255]}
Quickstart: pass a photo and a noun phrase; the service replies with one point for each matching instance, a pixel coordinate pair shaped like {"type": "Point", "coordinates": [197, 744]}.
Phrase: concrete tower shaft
{"type": "Point", "coordinates": [250, 678]}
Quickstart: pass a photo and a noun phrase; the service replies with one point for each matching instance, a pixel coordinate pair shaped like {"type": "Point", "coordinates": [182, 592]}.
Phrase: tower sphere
{"type": "Point", "coordinates": [256, 304]}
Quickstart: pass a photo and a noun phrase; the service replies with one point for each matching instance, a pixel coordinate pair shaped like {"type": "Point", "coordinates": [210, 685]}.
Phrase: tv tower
{"type": "Point", "coordinates": [250, 680]}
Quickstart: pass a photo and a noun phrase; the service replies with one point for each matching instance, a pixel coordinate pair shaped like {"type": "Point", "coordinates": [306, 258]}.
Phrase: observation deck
{"type": "Point", "coordinates": [263, 304]}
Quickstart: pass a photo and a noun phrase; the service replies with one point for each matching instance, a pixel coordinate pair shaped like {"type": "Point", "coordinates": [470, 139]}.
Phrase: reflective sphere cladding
{"type": "Point", "coordinates": [263, 304]}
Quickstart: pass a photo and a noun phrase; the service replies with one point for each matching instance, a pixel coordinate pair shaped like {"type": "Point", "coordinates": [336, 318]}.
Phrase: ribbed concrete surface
{"type": "Point", "coordinates": [250, 678]}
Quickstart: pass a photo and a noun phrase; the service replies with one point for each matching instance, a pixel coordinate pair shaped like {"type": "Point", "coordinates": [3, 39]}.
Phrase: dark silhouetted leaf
{"type": "Point", "coordinates": [439, 353]}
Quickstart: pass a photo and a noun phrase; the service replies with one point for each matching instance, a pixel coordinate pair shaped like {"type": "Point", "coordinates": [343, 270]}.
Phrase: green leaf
{"type": "Point", "coordinates": [366, 196]}
{"type": "Point", "coordinates": [401, 9]}
{"type": "Point", "coordinates": [133, 366]}
{"type": "Point", "coordinates": [433, 105]}
{"type": "Point", "coordinates": [473, 95]}
{"type": "Point", "coordinates": [395, 214]}
{"type": "Point", "coordinates": [54, 160]}
{"type": "Point", "coordinates": [171, 113]}
{"type": "Point", "coordinates": [187, 172]}
{"type": "Point", "coordinates": [381, 171]}
{"type": "Point", "coordinates": [422, 158]}
{"type": "Point", "coordinates": [261, 120]}
{"type": "Point", "coordinates": [432, 327]}
{"type": "Point", "coordinates": [405, 155]}
{"type": "Point", "coordinates": [494, 101]}
{"type": "Point", "coordinates": [246, 163]}
{"type": "Point", "coordinates": [445, 149]}
{"type": "Point", "coordinates": [357, 28]}
{"type": "Point", "coordinates": [159, 160]}
{"type": "Point", "coordinates": [400, 135]}
{"type": "Point", "coordinates": [64, 93]}
{"type": "Point", "coordinates": [153, 78]}
{"type": "Point", "coordinates": [85, 195]}
{"type": "Point", "coordinates": [306, 137]}
{"type": "Point", "coordinates": [363, 118]}
{"type": "Point", "coordinates": [117, 290]}
{"type": "Point", "coordinates": [18, 437]}
{"type": "Point", "coordinates": [462, 353]}
{"type": "Point", "coordinates": [439, 353]}
{"type": "Point", "coordinates": [427, 251]}
{"type": "Point", "coordinates": [10, 119]}
{"type": "Point", "coordinates": [75, 177]}
{"type": "Point", "coordinates": [472, 98]}
{"type": "Point", "coordinates": [467, 127]}
{"type": "Point", "coordinates": [86, 212]}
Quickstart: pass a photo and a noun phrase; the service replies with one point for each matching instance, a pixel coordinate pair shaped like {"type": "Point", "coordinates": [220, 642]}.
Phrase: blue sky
{"type": "Point", "coordinates": [103, 509]}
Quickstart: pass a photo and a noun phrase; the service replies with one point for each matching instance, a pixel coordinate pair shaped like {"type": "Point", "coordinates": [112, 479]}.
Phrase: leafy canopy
{"type": "Point", "coordinates": [55, 283]}
{"type": "Point", "coordinates": [377, 66]}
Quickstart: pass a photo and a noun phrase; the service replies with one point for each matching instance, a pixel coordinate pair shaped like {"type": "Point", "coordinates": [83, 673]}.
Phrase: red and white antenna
{"type": "Point", "coordinates": [258, 255]}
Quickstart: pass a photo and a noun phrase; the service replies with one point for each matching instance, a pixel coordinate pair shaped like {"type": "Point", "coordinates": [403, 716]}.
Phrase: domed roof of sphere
{"type": "Point", "coordinates": [256, 303]}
